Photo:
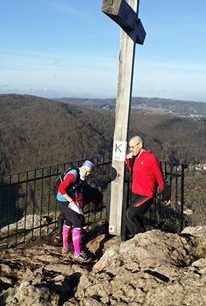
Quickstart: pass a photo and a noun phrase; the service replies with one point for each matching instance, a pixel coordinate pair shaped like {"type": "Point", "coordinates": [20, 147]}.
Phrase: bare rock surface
{"type": "Point", "coordinates": [152, 269]}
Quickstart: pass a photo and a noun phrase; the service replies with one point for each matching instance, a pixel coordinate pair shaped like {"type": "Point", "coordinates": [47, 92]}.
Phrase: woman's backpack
{"type": "Point", "coordinates": [60, 178]}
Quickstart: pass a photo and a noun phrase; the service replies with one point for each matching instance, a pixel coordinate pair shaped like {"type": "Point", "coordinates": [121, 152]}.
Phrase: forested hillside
{"type": "Point", "coordinates": [171, 136]}
{"type": "Point", "coordinates": [37, 132]}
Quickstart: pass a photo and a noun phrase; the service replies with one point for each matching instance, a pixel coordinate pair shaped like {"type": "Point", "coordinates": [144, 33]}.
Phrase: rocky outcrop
{"type": "Point", "coordinates": [152, 269]}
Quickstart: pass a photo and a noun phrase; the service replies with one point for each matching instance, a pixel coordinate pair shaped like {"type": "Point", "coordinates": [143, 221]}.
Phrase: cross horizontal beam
{"type": "Point", "coordinates": [123, 14]}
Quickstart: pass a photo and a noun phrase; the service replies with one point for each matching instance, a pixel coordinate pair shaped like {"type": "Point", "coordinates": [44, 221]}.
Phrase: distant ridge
{"type": "Point", "coordinates": [177, 107]}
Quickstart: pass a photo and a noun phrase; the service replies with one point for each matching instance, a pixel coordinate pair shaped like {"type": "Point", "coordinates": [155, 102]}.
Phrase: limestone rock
{"type": "Point", "coordinates": [152, 269]}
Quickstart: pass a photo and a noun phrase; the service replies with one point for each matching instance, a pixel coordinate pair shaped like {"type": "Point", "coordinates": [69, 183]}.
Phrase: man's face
{"type": "Point", "coordinates": [135, 147]}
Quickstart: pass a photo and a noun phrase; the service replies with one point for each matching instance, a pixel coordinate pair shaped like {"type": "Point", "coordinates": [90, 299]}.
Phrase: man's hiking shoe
{"type": "Point", "coordinates": [82, 257]}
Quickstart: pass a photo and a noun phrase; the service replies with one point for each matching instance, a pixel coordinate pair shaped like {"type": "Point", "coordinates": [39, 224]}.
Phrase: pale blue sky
{"type": "Point", "coordinates": [58, 48]}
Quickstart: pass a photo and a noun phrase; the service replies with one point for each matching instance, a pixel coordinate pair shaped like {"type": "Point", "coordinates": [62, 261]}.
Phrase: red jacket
{"type": "Point", "coordinates": [147, 174]}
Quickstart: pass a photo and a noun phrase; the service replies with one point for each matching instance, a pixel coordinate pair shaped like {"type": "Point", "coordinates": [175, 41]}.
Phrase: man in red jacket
{"type": "Point", "coordinates": [146, 176]}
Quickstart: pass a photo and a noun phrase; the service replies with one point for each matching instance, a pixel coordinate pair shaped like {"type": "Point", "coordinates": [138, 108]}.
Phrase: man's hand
{"type": "Point", "coordinates": [129, 155]}
{"type": "Point", "coordinates": [164, 195]}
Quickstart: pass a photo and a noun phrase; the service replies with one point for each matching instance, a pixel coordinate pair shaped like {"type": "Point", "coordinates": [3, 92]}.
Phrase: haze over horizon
{"type": "Point", "coordinates": [65, 48]}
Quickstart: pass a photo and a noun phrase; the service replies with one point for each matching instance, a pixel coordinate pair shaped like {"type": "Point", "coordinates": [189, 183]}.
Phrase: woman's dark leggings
{"type": "Point", "coordinates": [135, 214]}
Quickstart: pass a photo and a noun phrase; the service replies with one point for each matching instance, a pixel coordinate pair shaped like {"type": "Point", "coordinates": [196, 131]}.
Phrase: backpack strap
{"type": "Point", "coordinates": [76, 183]}
{"type": "Point", "coordinates": [66, 172]}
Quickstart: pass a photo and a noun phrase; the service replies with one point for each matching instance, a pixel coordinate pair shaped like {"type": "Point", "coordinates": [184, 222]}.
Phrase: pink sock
{"type": "Point", "coordinates": [66, 236]}
{"type": "Point", "coordinates": [76, 240]}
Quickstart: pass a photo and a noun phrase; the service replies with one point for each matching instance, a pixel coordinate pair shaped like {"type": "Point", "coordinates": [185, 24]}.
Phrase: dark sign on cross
{"type": "Point", "coordinates": [126, 15]}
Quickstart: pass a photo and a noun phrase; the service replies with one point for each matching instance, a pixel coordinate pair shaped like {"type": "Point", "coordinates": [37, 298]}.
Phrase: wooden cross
{"type": "Point", "coordinates": [126, 15]}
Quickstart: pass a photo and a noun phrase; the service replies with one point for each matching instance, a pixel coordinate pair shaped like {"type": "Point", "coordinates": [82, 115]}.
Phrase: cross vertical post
{"type": "Point", "coordinates": [126, 15]}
